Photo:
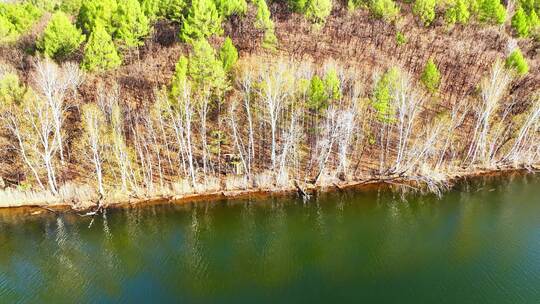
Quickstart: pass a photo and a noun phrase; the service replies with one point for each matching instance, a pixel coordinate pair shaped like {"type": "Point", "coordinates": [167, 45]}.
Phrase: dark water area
{"type": "Point", "coordinates": [479, 243]}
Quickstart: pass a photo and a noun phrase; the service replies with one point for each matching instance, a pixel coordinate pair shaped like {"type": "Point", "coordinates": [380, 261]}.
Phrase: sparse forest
{"type": "Point", "coordinates": [105, 100]}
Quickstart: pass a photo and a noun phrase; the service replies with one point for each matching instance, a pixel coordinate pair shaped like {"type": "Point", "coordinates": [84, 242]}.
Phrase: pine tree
{"type": "Point", "coordinates": [100, 53]}
{"type": "Point", "coordinates": [228, 54]}
{"type": "Point", "coordinates": [491, 11]}
{"type": "Point", "coordinates": [94, 12]}
{"type": "Point", "coordinates": [131, 25]}
{"type": "Point", "coordinates": [401, 39]}
{"type": "Point", "coordinates": [60, 38]}
{"type": "Point", "coordinates": [354, 4]}
{"type": "Point", "coordinates": [8, 32]}
{"type": "Point", "coordinates": [533, 21]}
{"type": "Point", "coordinates": [151, 9]}
{"type": "Point", "coordinates": [202, 21]}
{"type": "Point", "coordinates": [172, 9]}
{"type": "Point", "coordinates": [520, 23]}
{"type": "Point", "coordinates": [318, 99]}
{"type": "Point", "coordinates": [264, 22]}
{"type": "Point", "coordinates": [458, 13]}
{"type": "Point", "coordinates": [529, 5]}
{"type": "Point", "coordinates": [332, 84]}
{"type": "Point", "coordinates": [425, 10]}
{"type": "Point", "coordinates": [229, 7]}
{"type": "Point", "coordinates": [15, 19]}
{"type": "Point", "coordinates": [318, 10]}
{"type": "Point", "coordinates": [179, 78]}
{"type": "Point", "coordinates": [474, 7]}
{"type": "Point", "coordinates": [431, 77]}
{"type": "Point", "coordinates": [384, 9]}
{"type": "Point", "coordinates": [517, 62]}
{"type": "Point", "coordinates": [298, 6]}
{"type": "Point", "coordinates": [71, 7]}
{"type": "Point", "coordinates": [383, 94]}
{"type": "Point", "coordinates": [205, 70]}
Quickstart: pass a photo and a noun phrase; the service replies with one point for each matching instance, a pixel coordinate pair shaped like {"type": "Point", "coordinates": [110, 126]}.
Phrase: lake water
{"type": "Point", "coordinates": [479, 243]}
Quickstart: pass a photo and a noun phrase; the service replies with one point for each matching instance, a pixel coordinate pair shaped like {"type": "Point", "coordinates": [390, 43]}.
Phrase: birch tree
{"type": "Point", "coordinates": [95, 138]}
{"type": "Point", "coordinates": [38, 133]}
{"type": "Point", "coordinates": [246, 85]}
{"type": "Point", "coordinates": [274, 88]}
{"type": "Point", "coordinates": [11, 95]}
{"type": "Point", "coordinates": [492, 88]}
{"type": "Point", "coordinates": [526, 145]}
{"type": "Point", "coordinates": [53, 83]}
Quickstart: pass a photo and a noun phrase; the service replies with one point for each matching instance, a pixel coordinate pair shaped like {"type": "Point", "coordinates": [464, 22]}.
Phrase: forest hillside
{"type": "Point", "coordinates": [107, 100]}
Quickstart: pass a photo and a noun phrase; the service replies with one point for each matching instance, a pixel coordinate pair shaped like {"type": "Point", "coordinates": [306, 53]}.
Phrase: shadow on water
{"type": "Point", "coordinates": [479, 243]}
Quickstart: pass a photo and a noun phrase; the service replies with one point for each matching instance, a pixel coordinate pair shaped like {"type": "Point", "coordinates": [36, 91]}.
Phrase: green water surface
{"type": "Point", "coordinates": [479, 243]}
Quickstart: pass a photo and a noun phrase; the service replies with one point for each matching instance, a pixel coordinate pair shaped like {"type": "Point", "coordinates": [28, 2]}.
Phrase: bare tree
{"type": "Point", "coordinates": [246, 86]}
{"type": "Point", "coordinates": [53, 83]}
{"type": "Point", "coordinates": [274, 89]}
{"type": "Point", "coordinates": [527, 142]}
{"type": "Point", "coordinates": [492, 90]}
{"type": "Point", "coordinates": [95, 138]}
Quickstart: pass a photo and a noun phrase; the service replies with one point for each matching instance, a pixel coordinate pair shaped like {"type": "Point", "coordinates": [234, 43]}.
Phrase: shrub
{"type": "Point", "coordinates": [228, 54]}
{"type": "Point", "coordinates": [458, 12]}
{"type": "Point", "coordinates": [520, 23]}
{"type": "Point", "coordinates": [491, 11]}
{"type": "Point", "coordinates": [318, 10]}
{"type": "Point", "coordinates": [11, 89]}
{"type": "Point", "coordinates": [130, 23]}
{"type": "Point", "coordinates": [384, 9]}
{"type": "Point", "coordinates": [100, 54]}
{"type": "Point", "coordinates": [60, 38]}
{"type": "Point", "coordinates": [431, 77]}
{"type": "Point", "coordinates": [517, 62]}
{"type": "Point", "coordinates": [202, 21]}
{"type": "Point", "coordinates": [425, 10]}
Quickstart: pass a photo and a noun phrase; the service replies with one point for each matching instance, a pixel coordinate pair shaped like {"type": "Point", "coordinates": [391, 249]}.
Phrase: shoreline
{"type": "Point", "coordinates": [254, 193]}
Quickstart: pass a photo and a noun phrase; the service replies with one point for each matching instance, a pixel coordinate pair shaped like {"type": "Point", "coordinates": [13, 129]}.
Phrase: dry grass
{"type": "Point", "coordinates": [68, 194]}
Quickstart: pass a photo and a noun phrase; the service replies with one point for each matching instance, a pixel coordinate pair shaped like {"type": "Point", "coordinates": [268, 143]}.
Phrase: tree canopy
{"type": "Point", "coordinates": [60, 38]}
{"type": "Point", "coordinates": [130, 23]}
{"type": "Point", "coordinates": [202, 21]}
{"type": "Point", "coordinates": [94, 12]}
{"type": "Point", "coordinates": [517, 62]}
{"type": "Point", "coordinates": [228, 54]}
{"type": "Point", "coordinates": [431, 77]}
{"type": "Point", "coordinates": [205, 69]}
{"type": "Point", "coordinates": [100, 53]}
